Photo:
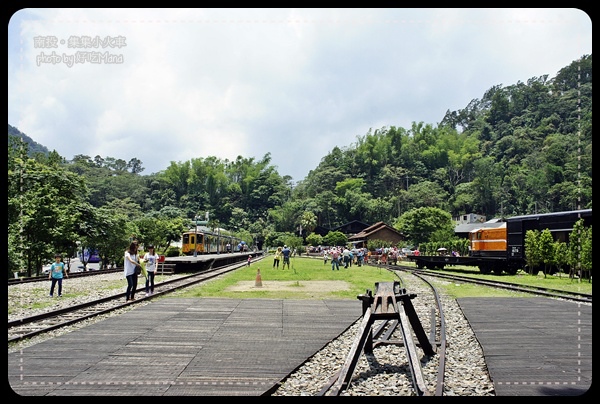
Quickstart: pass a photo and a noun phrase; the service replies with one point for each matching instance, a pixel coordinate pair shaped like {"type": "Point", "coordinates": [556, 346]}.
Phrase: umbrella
{"type": "Point", "coordinates": [242, 242]}
{"type": "Point", "coordinates": [441, 249]}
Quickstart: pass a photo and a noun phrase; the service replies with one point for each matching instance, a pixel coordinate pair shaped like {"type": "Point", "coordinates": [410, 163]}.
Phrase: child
{"type": "Point", "coordinates": [57, 269]}
{"type": "Point", "coordinates": [249, 259]}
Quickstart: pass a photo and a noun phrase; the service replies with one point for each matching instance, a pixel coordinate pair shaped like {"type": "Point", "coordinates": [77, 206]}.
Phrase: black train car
{"type": "Point", "coordinates": [511, 257]}
{"type": "Point", "coordinates": [560, 225]}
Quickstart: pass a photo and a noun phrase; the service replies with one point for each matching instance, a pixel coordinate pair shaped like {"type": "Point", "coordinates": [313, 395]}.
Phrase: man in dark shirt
{"type": "Point", "coordinates": [286, 252]}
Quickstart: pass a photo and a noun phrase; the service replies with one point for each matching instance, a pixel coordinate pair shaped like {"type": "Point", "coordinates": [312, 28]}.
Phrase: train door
{"type": "Point", "coordinates": [185, 243]}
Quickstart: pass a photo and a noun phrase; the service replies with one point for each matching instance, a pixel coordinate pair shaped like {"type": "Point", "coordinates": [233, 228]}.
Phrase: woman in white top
{"type": "Point", "coordinates": [151, 260]}
{"type": "Point", "coordinates": [131, 260]}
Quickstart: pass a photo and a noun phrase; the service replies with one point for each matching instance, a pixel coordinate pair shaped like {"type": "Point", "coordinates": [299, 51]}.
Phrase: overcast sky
{"type": "Point", "coordinates": [165, 85]}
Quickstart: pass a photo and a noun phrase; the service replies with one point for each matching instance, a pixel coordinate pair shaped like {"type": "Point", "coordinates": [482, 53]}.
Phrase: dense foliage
{"type": "Point", "coordinates": [544, 251]}
{"type": "Point", "coordinates": [521, 149]}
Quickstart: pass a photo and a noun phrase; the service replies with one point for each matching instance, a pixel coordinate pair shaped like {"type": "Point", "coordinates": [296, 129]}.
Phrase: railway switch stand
{"type": "Point", "coordinates": [393, 304]}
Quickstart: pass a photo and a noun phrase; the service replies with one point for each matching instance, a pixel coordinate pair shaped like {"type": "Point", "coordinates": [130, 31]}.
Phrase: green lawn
{"type": "Point", "coordinates": [357, 279]}
{"type": "Point", "coordinates": [302, 269]}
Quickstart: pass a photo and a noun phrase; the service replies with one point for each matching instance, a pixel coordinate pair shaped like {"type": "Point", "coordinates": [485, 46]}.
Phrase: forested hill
{"type": "Point", "coordinates": [520, 149]}
{"type": "Point", "coordinates": [33, 147]}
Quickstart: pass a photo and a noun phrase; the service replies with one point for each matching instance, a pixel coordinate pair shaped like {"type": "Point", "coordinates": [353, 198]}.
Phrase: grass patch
{"type": "Point", "coordinates": [303, 270]}
{"type": "Point", "coordinates": [358, 280]}
{"type": "Point", "coordinates": [464, 289]}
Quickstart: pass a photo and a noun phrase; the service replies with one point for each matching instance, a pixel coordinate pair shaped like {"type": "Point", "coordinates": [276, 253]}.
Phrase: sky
{"type": "Point", "coordinates": [172, 85]}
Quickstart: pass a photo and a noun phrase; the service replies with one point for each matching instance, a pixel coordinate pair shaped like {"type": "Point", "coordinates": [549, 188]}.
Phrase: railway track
{"type": "Point", "coordinates": [397, 330]}
{"type": "Point", "coordinates": [28, 327]}
{"type": "Point", "coordinates": [386, 331]}
{"type": "Point", "coordinates": [390, 318]}
{"type": "Point", "coordinates": [537, 290]}
{"type": "Point", "coordinates": [44, 277]}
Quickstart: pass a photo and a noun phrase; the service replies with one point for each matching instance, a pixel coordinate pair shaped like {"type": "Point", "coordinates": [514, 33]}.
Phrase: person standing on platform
{"type": "Point", "coordinates": [151, 260]}
{"type": "Point", "coordinates": [57, 271]}
{"type": "Point", "coordinates": [129, 264]}
{"type": "Point", "coordinates": [277, 258]}
{"type": "Point", "coordinates": [286, 256]}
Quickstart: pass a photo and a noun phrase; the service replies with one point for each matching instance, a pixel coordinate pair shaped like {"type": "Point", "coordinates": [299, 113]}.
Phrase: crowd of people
{"type": "Point", "coordinates": [358, 256]}
{"type": "Point", "coordinates": [344, 256]}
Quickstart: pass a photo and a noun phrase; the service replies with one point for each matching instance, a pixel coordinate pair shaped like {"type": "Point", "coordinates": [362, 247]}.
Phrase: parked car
{"type": "Point", "coordinates": [407, 251]}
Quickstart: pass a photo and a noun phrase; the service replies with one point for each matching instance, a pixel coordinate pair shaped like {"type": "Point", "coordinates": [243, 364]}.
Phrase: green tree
{"type": "Point", "coordinates": [576, 240]}
{"type": "Point", "coordinates": [326, 203]}
{"type": "Point", "coordinates": [308, 221]}
{"type": "Point", "coordinates": [314, 239]}
{"type": "Point", "coordinates": [274, 239]}
{"type": "Point", "coordinates": [45, 206]}
{"type": "Point", "coordinates": [419, 224]}
{"type": "Point", "coordinates": [586, 253]}
{"type": "Point", "coordinates": [113, 236]}
{"type": "Point", "coordinates": [428, 193]}
{"type": "Point", "coordinates": [335, 238]}
{"type": "Point", "coordinates": [286, 217]}
{"type": "Point", "coordinates": [463, 199]}
{"type": "Point", "coordinates": [160, 231]}
{"type": "Point", "coordinates": [561, 255]}
{"type": "Point", "coordinates": [486, 184]}
{"type": "Point", "coordinates": [294, 242]}
{"type": "Point", "coordinates": [546, 246]}
{"type": "Point", "coordinates": [523, 148]}
{"type": "Point", "coordinates": [533, 254]}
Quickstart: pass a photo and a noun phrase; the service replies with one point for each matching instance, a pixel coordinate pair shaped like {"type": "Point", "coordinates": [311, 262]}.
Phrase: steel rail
{"type": "Point", "coordinates": [367, 339]}
{"type": "Point", "coordinates": [71, 315]}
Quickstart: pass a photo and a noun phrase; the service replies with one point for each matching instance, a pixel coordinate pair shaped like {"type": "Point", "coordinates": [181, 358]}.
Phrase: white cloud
{"type": "Point", "coordinates": [245, 82]}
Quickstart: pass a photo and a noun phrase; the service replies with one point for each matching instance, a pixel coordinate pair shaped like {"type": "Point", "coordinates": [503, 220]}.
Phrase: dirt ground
{"type": "Point", "coordinates": [290, 286]}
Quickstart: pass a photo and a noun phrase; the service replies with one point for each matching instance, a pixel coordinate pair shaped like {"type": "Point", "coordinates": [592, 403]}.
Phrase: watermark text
{"type": "Point", "coordinates": [105, 56]}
